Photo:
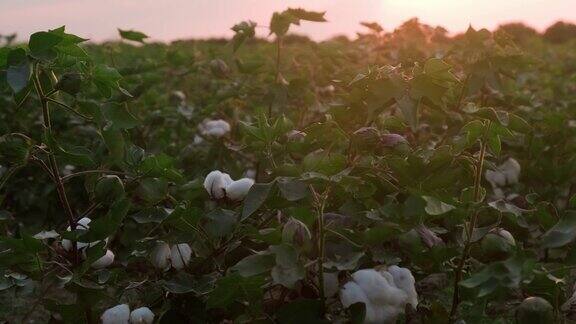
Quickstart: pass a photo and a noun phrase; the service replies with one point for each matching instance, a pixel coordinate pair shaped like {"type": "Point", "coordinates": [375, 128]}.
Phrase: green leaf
{"type": "Point", "coordinates": [153, 190]}
{"type": "Point", "coordinates": [18, 71]}
{"type": "Point", "coordinates": [221, 222]}
{"type": "Point", "coordinates": [106, 226]}
{"type": "Point", "coordinates": [287, 270]}
{"type": "Point", "coordinates": [42, 45]}
{"type": "Point", "coordinates": [292, 189]}
{"type": "Point", "coordinates": [133, 35]}
{"type": "Point", "coordinates": [409, 108]}
{"type": "Point", "coordinates": [255, 198]}
{"type": "Point", "coordinates": [561, 234]}
{"type": "Point", "coordinates": [235, 288]}
{"type": "Point", "coordinates": [302, 311]}
{"type": "Point", "coordinates": [436, 207]}
{"type": "Point", "coordinates": [255, 264]}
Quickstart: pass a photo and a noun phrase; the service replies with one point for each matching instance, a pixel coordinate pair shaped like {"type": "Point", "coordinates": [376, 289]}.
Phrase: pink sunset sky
{"type": "Point", "coordinates": [176, 19]}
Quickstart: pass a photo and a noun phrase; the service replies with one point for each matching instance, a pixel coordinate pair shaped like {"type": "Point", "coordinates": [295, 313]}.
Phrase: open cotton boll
{"type": "Point", "coordinates": [160, 256]}
{"type": "Point", "coordinates": [404, 280]}
{"type": "Point", "coordinates": [81, 224]}
{"type": "Point", "coordinates": [216, 182]}
{"type": "Point", "coordinates": [180, 255]}
{"type": "Point", "coordinates": [507, 173]}
{"type": "Point", "coordinates": [119, 314]}
{"type": "Point", "coordinates": [238, 189]}
{"type": "Point", "coordinates": [378, 288]}
{"type": "Point", "coordinates": [352, 293]}
{"type": "Point", "coordinates": [496, 178]}
{"type": "Point", "coordinates": [106, 260]}
{"type": "Point", "coordinates": [511, 169]}
{"type": "Point", "coordinates": [142, 315]}
{"type": "Point", "coordinates": [214, 128]}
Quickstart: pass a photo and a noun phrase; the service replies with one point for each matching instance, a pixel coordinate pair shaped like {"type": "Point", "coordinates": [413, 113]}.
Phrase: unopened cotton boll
{"type": "Point", "coordinates": [119, 314]}
{"type": "Point", "coordinates": [180, 255]}
{"type": "Point", "coordinates": [214, 128]}
{"type": "Point", "coordinates": [160, 256]}
{"type": "Point", "coordinates": [142, 315]}
{"type": "Point", "coordinates": [216, 182]}
{"type": "Point", "coordinates": [238, 189]}
{"type": "Point", "coordinates": [104, 261]}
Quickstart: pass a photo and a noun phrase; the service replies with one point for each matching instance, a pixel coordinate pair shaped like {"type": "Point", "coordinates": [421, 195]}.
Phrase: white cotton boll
{"type": "Point", "coordinates": [104, 261]}
{"type": "Point", "coordinates": [160, 256]}
{"type": "Point", "coordinates": [496, 178]}
{"type": "Point", "coordinates": [142, 315]}
{"type": "Point", "coordinates": [238, 189]}
{"type": "Point", "coordinates": [378, 289]}
{"type": "Point", "coordinates": [404, 280]}
{"type": "Point", "coordinates": [511, 169]}
{"type": "Point", "coordinates": [351, 293]}
{"type": "Point", "coordinates": [180, 255]}
{"type": "Point", "coordinates": [119, 314]}
{"type": "Point", "coordinates": [216, 183]}
{"type": "Point", "coordinates": [214, 128]}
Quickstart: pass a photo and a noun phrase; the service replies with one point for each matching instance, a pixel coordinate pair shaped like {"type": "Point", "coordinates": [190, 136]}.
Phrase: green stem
{"type": "Point", "coordinates": [53, 164]}
{"type": "Point", "coordinates": [320, 202]}
{"type": "Point", "coordinates": [469, 232]}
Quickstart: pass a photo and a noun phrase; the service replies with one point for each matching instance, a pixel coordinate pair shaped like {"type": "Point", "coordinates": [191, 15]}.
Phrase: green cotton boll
{"type": "Point", "coordinates": [71, 83]}
{"type": "Point", "coordinates": [109, 188]}
{"type": "Point", "coordinates": [534, 310]}
{"type": "Point", "coordinates": [497, 245]}
{"type": "Point", "coordinates": [297, 233]}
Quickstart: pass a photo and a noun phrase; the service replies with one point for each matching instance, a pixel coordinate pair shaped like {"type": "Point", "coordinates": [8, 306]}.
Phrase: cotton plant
{"type": "Point", "coordinates": [385, 293]}
{"type": "Point", "coordinates": [121, 314]}
{"type": "Point", "coordinates": [220, 185]}
{"type": "Point", "coordinates": [163, 256]}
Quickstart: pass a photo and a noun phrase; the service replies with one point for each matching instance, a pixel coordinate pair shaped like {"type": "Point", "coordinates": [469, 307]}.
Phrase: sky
{"type": "Point", "coordinates": [168, 20]}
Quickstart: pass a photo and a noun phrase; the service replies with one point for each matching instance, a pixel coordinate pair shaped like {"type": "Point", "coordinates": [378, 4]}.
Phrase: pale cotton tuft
{"type": "Point", "coordinates": [160, 256]}
{"type": "Point", "coordinates": [142, 315]}
{"type": "Point", "coordinates": [214, 128]}
{"type": "Point", "coordinates": [507, 173]}
{"type": "Point", "coordinates": [238, 189]}
{"type": "Point", "coordinates": [106, 260]}
{"type": "Point", "coordinates": [180, 255]}
{"type": "Point", "coordinates": [119, 314]}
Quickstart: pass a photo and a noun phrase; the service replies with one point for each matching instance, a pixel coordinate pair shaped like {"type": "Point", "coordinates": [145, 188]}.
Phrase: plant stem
{"type": "Point", "coordinates": [277, 74]}
{"type": "Point", "coordinates": [53, 164]}
{"type": "Point", "coordinates": [320, 202]}
{"type": "Point", "coordinates": [469, 232]}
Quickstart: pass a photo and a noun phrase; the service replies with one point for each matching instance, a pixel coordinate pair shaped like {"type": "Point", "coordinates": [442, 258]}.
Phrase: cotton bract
{"type": "Point", "coordinates": [104, 261]}
{"type": "Point", "coordinates": [142, 315]}
{"type": "Point", "coordinates": [119, 314]}
{"type": "Point", "coordinates": [214, 128]}
{"type": "Point", "coordinates": [385, 293]}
